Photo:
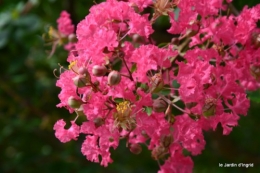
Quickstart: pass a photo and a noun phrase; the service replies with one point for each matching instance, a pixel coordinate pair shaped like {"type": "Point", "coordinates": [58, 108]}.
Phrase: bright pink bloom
{"type": "Point", "coordinates": [140, 25]}
{"type": "Point", "coordinates": [65, 25]}
{"type": "Point", "coordinates": [227, 120]}
{"type": "Point", "coordinates": [246, 22]}
{"type": "Point", "coordinates": [149, 57]}
{"type": "Point", "coordinates": [90, 148]}
{"type": "Point", "coordinates": [66, 135]}
{"type": "Point", "coordinates": [189, 132]}
{"type": "Point", "coordinates": [68, 89]}
{"type": "Point", "coordinates": [177, 163]}
{"type": "Point", "coordinates": [141, 4]}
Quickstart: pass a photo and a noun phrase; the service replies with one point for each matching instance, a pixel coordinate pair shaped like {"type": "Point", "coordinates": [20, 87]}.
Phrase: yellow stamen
{"type": "Point", "coordinates": [51, 31]}
{"type": "Point", "coordinates": [123, 108]}
{"type": "Point", "coordinates": [72, 64]}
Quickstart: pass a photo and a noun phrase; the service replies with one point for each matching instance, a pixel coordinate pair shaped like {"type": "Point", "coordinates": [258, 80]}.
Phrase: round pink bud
{"type": "Point", "coordinates": [83, 71]}
{"type": "Point", "coordinates": [74, 103]}
{"type": "Point", "coordinates": [159, 152]}
{"type": "Point", "coordinates": [166, 140]}
{"type": "Point", "coordinates": [80, 81]}
{"type": "Point", "coordinates": [99, 70]}
{"type": "Point", "coordinates": [114, 78]}
{"type": "Point", "coordinates": [72, 38]}
{"type": "Point", "coordinates": [99, 121]}
{"type": "Point", "coordinates": [144, 133]}
{"type": "Point", "coordinates": [159, 105]}
{"type": "Point", "coordinates": [135, 148]}
{"type": "Point", "coordinates": [209, 108]}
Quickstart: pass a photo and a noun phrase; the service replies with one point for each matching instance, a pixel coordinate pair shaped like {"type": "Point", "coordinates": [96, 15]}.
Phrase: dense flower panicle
{"type": "Point", "coordinates": [126, 86]}
{"type": "Point", "coordinates": [65, 25]}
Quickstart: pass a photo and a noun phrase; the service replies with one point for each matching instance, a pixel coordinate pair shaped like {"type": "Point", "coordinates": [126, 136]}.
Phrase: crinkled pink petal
{"type": "Point", "coordinates": [66, 135]}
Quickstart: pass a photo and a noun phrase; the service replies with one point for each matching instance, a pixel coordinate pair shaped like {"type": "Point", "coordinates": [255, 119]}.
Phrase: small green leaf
{"type": "Point", "coordinates": [144, 86]}
{"type": "Point", "coordinates": [166, 90]}
{"type": "Point", "coordinates": [175, 84]}
{"type": "Point", "coordinates": [148, 110]}
{"type": "Point", "coordinates": [133, 68]}
{"type": "Point", "coordinates": [117, 64]}
{"type": "Point", "coordinates": [154, 96]}
{"type": "Point", "coordinates": [118, 100]}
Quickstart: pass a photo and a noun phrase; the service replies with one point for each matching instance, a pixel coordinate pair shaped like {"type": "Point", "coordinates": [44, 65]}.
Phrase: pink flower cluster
{"type": "Point", "coordinates": [65, 25]}
{"type": "Point", "coordinates": [126, 86]}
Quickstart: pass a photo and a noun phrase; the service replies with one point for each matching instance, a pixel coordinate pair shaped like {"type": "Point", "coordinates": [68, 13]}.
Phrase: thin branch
{"type": "Point", "coordinates": [131, 77]}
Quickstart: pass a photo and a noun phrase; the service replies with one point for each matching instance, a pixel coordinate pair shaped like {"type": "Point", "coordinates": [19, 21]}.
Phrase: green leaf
{"type": "Point", "coordinates": [166, 90]}
{"type": "Point", "coordinates": [118, 100]}
{"type": "Point", "coordinates": [175, 84]}
{"type": "Point", "coordinates": [254, 96]}
{"type": "Point", "coordinates": [133, 68]}
{"type": "Point", "coordinates": [154, 96]}
{"type": "Point", "coordinates": [148, 110]}
{"type": "Point", "coordinates": [4, 34]}
{"type": "Point", "coordinates": [117, 64]}
{"type": "Point", "coordinates": [144, 86]}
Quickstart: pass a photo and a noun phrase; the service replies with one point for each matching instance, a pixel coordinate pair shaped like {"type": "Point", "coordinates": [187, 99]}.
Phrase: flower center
{"type": "Point", "coordinates": [123, 109]}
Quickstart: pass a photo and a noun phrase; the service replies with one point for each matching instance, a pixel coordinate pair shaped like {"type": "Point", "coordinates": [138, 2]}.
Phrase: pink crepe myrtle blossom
{"type": "Point", "coordinates": [65, 135]}
{"type": "Point", "coordinates": [65, 25]}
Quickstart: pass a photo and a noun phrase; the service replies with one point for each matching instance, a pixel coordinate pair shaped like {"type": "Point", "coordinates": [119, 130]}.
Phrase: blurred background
{"type": "Point", "coordinates": [28, 99]}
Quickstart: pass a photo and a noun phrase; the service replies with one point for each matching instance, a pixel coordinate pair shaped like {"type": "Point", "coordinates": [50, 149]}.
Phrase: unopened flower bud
{"type": "Point", "coordinates": [74, 103]}
{"type": "Point", "coordinates": [255, 71]}
{"type": "Point", "coordinates": [72, 38]}
{"type": "Point", "coordinates": [136, 38]}
{"type": "Point", "coordinates": [135, 148]}
{"type": "Point", "coordinates": [159, 152]}
{"type": "Point", "coordinates": [191, 105]}
{"type": "Point", "coordinates": [209, 108]}
{"type": "Point", "coordinates": [111, 139]}
{"type": "Point", "coordinates": [156, 83]}
{"type": "Point", "coordinates": [99, 70]}
{"type": "Point", "coordinates": [80, 111]}
{"type": "Point", "coordinates": [169, 115]}
{"type": "Point", "coordinates": [83, 71]}
{"type": "Point", "coordinates": [80, 81]}
{"type": "Point", "coordinates": [144, 133]}
{"type": "Point", "coordinates": [159, 105]}
{"type": "Point", "coordinates": [175, 41]}
{"type": "Point", "coordinates": [256, 38]}
{"type": "Point", "coordinates": [114, 78]}
{"type": "Point", "coordinates": [98, 121]}
{"type": "Point", "coordinates": [166, 140]}
{"type": "Point", "coordinates": [96, 83]}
